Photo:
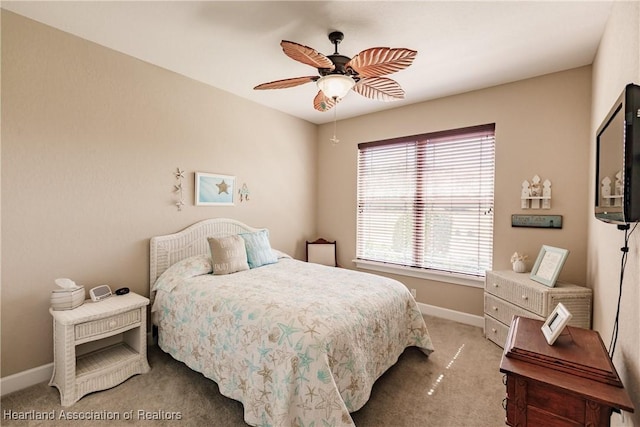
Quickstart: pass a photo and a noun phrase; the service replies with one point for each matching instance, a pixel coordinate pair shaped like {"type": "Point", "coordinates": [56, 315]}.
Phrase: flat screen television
{"type": "Point", "coordinates": [618, 161]}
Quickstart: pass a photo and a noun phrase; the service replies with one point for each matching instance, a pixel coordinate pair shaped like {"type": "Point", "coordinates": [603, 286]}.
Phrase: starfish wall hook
{"type": "Point", "coordinates": [178, 188]}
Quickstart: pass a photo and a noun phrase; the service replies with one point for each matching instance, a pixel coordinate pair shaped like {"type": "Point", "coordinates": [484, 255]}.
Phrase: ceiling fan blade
{"type": "Point", "coordinates": [283, 84]}
{"type": "Point", "coordinates": [379, 61]}
{"type": "Point", "coordinates": [306, 55]}
{"type": "Point", "coordinates": [322, 103]}
{"type": "Point", "coordinates": [380, 88]}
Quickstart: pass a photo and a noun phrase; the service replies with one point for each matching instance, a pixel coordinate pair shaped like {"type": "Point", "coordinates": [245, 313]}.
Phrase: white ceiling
{"type": "Point", "coordinates": [235, 45]}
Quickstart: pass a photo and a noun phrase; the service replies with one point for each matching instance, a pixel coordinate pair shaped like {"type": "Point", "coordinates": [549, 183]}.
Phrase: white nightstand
{"type": "Point", "coordinates": [99, 345]}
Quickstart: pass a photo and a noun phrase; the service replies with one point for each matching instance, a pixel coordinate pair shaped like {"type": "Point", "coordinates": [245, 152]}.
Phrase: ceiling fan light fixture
{"type": "Point", "coordinates": [338, 74]}
{"type": "Point", "coordinates": [335, 85]}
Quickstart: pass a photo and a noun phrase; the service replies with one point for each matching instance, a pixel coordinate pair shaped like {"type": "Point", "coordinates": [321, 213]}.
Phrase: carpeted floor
{"type": "Point", "coordinates": [458, 385]}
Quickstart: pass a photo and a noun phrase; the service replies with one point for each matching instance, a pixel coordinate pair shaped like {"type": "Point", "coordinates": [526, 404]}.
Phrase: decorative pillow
{"type": "Point", "coordinates": [187, 268]}
{"type": "Point", "coordinates": [228, 254]}
{"type": "Point", "coordinates": [259, 250]}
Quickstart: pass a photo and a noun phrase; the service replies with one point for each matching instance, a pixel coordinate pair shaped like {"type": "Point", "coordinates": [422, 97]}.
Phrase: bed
{"type": "Point", "coordinates": [298, 344]}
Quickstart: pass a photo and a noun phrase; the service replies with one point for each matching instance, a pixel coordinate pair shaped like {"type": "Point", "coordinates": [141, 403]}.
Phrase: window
{"type": "Point", "coordinates": [426, 201]}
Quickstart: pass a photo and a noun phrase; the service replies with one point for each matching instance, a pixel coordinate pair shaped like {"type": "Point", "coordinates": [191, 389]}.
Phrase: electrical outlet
{"type": "Point", "coordinates": [413, 293]}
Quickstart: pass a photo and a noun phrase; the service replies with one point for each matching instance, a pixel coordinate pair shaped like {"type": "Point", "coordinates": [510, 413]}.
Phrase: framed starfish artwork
{"type": "Point", "coordinates": [214, 189]}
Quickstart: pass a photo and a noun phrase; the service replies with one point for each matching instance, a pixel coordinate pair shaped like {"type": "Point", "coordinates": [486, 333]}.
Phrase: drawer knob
{"type": "Point", "coordinates": [113, 323]}
{"type": "Point", "coordinates": [494, 330]}
{"type": "Point", "coordinates": [524, 297]}
{"type": "Point", "coordinates": [495, 308]}
{"type": "Point", "coordinates": [495, 285]}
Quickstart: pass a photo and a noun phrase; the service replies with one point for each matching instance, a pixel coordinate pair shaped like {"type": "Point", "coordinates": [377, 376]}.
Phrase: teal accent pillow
{"type": "Point", "coordinates": [258, 248]}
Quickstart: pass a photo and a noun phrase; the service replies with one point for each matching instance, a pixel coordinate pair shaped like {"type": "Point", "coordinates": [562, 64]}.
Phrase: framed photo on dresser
{"type": "Point", "coordinates": [548, 265]}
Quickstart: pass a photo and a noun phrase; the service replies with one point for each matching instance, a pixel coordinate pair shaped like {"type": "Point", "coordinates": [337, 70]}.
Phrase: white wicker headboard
{"type": "Point", "coordinates": [169, 249]}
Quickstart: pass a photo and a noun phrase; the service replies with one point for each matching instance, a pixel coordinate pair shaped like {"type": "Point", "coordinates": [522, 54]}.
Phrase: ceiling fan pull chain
{"type": "Point", "coordinates": [335, 140]}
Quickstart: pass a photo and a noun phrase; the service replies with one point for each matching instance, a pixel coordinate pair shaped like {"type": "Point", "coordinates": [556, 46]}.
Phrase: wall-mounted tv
{"type": "Point", "coordinates": [618, 161]}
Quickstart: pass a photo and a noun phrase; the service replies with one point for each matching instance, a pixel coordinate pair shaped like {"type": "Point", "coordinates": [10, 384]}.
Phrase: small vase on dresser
{"type": "Point", "coordinates": [519, 266]}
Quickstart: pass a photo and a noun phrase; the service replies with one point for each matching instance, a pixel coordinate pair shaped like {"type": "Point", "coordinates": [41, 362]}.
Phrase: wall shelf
{"type": "Point", "coordinates": [534, 195]}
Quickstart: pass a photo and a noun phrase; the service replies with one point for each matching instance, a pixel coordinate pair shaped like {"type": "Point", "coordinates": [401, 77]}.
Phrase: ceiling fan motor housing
{"type": "Point", "coordinates": [340, 62]}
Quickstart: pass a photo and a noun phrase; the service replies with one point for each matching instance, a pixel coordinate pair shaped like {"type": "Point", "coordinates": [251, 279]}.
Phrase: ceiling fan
{"type": "Point", "coordinates": [338, 74]}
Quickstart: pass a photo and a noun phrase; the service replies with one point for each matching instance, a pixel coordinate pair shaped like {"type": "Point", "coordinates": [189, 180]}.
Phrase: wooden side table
{"type": "Point", "coordinates": [539, 393]}
{"type": "Point", "coordinates": [99, 345]}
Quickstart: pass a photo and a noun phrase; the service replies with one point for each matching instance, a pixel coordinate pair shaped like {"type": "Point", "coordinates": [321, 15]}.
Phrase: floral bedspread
{"type": "Point", "coordinates": [298, 344]}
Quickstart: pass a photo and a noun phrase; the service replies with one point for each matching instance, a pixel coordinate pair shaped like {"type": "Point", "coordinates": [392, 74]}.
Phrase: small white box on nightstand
{"type": "Point", "coordinates": [67, 299]}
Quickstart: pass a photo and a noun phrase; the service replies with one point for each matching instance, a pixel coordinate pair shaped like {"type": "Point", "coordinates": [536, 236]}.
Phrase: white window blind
{"type": "Point", "coordinates": [426, 201]}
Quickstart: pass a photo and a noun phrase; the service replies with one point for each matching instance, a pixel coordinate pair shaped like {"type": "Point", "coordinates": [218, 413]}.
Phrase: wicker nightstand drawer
{"type": "Point", "coordinates": [102, 326]}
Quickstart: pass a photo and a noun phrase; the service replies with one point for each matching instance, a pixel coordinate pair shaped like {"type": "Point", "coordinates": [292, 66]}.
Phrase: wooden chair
{"type": "Point", "coordinates": [322, 251]}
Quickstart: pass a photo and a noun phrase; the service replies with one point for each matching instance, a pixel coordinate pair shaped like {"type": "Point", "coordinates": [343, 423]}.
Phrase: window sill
{"type": "Point", "coordinates": [457, 279]}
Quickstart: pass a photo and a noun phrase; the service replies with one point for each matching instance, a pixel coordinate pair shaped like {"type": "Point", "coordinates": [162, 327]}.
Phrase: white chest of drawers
{"type": "Point", "coordinates": [99, 345]}
{"type": "Point", "coordinates": [507, 293]}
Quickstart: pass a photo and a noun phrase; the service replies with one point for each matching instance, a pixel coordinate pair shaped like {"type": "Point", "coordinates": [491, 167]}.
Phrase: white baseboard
{"type": "Point", "coordinates": [456, 316]}
{"type": "Point", "coordinates": [25, 379]}
{"type": "Point", "coordinates": [43, 373]}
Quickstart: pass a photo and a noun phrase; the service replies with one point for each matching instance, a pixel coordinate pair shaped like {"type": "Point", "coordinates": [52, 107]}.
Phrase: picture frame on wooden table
{"type": "Point", "coordinates": [214, 189]}
{"type": "Point", "coordinates": [548, 265]}
{"type": "Point", "coordinates": [555, 323]}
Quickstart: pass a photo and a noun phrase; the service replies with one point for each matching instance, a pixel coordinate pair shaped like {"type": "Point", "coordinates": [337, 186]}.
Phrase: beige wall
{"type": "Point", "coordinates": [90, 141]}
{"type": "Point", "coordinates": [617, 63]}
{"type": "Point", "coordinates": [542, 127]}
